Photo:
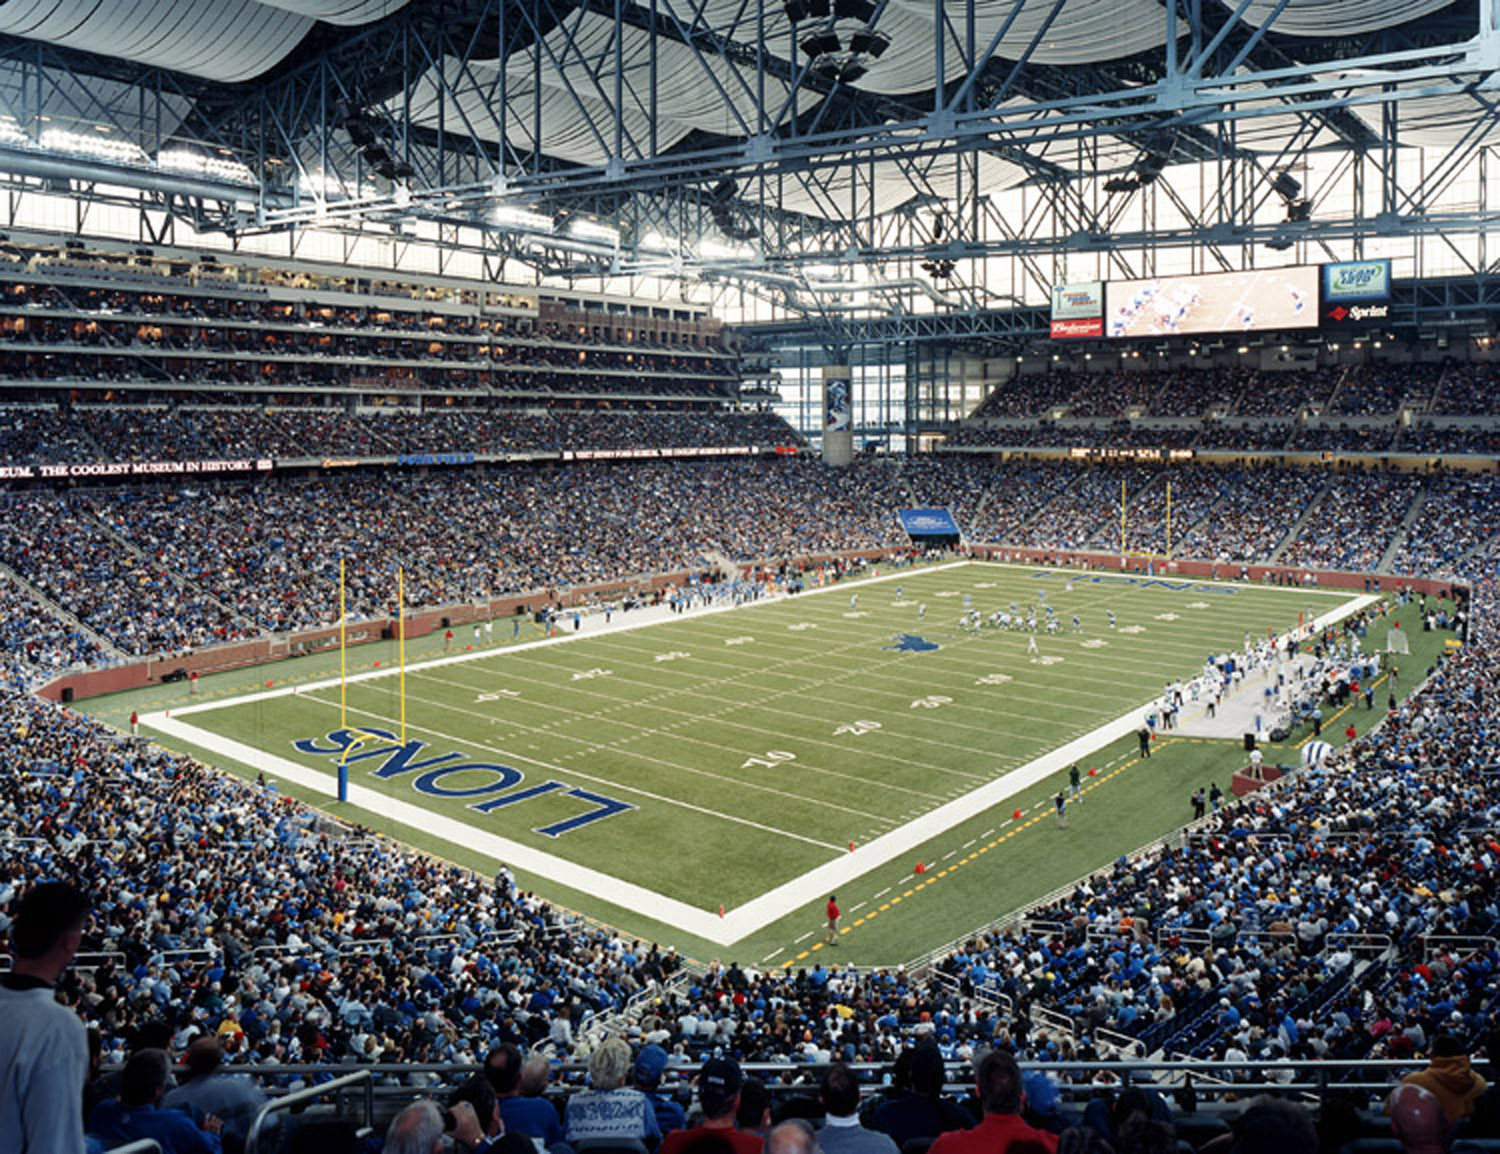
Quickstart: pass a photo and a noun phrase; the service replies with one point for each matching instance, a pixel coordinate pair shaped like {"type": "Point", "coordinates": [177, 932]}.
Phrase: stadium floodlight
{"type": "Point", "coordinates": [861, 10]}
{"type": "Point", "coordinates": [656, 242]}
{"type": "Point", "coordinates": [520, 219]}
{"type": "Point", "coordinates": [593, 230]}
{"type": "Point", "coordinates": [796, 10]}
{"type": "Point", "coordinates": [871, 44]}
{"type": "Point", "coordinates": [711, 249]}
{"type": "Point", "coordinates": [821, 43]}
{"type": "Point", "coordinates": [197, 164]}
{"type": "Point", "coordinates": [97, 147]}
{"type": "Point", "coordinates": [1287, 186]}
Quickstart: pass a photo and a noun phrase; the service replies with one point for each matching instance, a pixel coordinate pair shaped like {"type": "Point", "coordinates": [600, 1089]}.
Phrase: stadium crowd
{"type": "Point", "coordinates": [263, 555]}
{"type": "Point", "coordinates": [1296, 924]}
{"type": "Point", "coordinates": [1357, 512]}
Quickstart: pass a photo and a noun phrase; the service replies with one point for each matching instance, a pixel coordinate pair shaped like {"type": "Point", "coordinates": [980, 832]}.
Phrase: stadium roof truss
{"type": "Point", "coordinates": [811, 160]}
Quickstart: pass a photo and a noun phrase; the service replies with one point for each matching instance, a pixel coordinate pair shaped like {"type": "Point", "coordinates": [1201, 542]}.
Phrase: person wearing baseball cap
{"type": "Point", "coordinates": [719, 1095]}
{"type": "Point", "coordinates": [650, 1064]}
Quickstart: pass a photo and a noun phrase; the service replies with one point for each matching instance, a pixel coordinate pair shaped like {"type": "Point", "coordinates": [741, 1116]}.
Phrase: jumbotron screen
{"type": "Point", "coordinates": [1225, 302]}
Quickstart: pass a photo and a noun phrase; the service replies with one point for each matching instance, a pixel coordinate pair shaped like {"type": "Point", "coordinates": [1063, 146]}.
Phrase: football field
{"type": "Point", "coordinates": [709, 778]}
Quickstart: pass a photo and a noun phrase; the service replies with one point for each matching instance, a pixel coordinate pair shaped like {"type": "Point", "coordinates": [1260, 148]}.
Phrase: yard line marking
{"type": "Point", "coordinates": [856, 909]}
{"type": "Point", "coordinates": [803, 938]}
{"type": "Point", "coordinates": [614, 748]}
{"type": "Point", "coordinates": [702, 689]}
{"type": "Point", "coordinates": [772, 954]}
{"type": "Point", "coordinates": [883, 892]}
{"type": "Point", "coordinates": [551, 767]}
{"type": "Point", "coordinates": [691, 717]}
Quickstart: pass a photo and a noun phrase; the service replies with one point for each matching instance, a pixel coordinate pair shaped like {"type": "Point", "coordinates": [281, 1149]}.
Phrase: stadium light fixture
{"type": "Point", "coordinates": [821, 43]}
{"type": "Point", "coordinates": [197, 164]}
{"type": "Point", "coordinates": [98, 147]}
{"type": "Point", "coordinates": [593, 230]}
{"type": "Point", "coordinates": [520, 219]}
{"type": "Point", "coordinates": [711, 249]}
{"type": "Point", "coordinates": [656, 242]}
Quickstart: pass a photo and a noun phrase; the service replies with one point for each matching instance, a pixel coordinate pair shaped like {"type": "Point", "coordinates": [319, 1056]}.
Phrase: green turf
{"type": "Point", "coordinates": [744, 741]}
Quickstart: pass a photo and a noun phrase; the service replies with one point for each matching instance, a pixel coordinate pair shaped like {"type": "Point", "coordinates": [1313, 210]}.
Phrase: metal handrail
{"type": "Point", "coordinates": [286, 1102]}
{"type": "Point", "coordinates": [1185, 935]}
{"type": "Point", "coordinates": [997, 998]}
{"type": "Point", "coordinates": [80, 961]}
{"type": "Point", "coordinates": [1053, 1019]}
{"type": "Point", "coordinates": [1433, 944]}
{"type": "Point", "coordinates": [1359, 943]}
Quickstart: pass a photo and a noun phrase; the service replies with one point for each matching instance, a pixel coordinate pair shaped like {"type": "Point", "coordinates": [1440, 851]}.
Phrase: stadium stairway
{"type": "Point", "coordinates": [1398, 538]}
{"type": "Point", "coordinates": [722, 563]}
{"type": "Point", "coordinates": [1338, 386]}
{"type": "Point", "coordinates": [1296, 530]}
{"type": "Point", "coordinates": [177, 579]}
{"type": "Point", "coordinates": [1047, 506]}
{"type": "Point", "coordinates": [57, 611]}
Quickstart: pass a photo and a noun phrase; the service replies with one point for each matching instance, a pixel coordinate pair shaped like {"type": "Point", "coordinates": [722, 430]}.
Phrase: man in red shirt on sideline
{"type": "Point", "coordinates": [833, 919]}
{"type": "Point", "coordinates": [999, 1085]}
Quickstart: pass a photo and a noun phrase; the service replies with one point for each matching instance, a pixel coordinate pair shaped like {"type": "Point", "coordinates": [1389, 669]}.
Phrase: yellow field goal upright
{"type": "Point", "coordinates": [1125, 550]}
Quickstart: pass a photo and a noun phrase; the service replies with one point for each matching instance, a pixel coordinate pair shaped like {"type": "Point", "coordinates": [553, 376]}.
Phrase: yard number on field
{"type": "Point", "coordinates": [772, 758]}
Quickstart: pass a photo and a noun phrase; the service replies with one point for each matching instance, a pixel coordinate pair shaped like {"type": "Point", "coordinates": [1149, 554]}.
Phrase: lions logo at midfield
{"type": "Point", "coordinates": [911, 643]}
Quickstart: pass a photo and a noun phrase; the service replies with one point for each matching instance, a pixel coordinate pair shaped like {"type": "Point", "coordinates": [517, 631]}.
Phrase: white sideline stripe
{"type": "Point", "coordinates": [638, 898]}
{"type": "Point", "coordinates": [736, 924]}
